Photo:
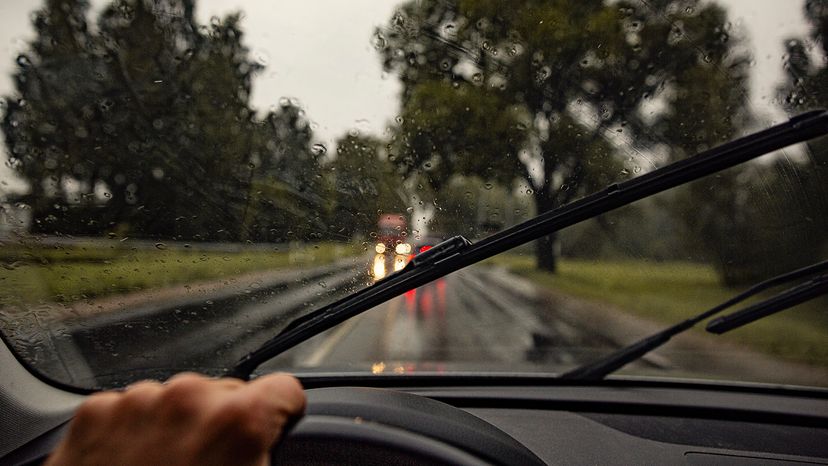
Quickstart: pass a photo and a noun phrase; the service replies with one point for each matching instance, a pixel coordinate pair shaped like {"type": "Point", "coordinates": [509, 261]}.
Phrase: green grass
{"type": "Point", "coordinates": [672, 291]}
{"type": "Point", "coordinates": [66, 274]}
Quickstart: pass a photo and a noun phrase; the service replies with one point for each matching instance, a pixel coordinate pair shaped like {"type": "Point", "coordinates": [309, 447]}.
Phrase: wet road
{"type": "Point", "coordinates": [479, 318]}
{"type": "Point", "coordinates": [467, 320]}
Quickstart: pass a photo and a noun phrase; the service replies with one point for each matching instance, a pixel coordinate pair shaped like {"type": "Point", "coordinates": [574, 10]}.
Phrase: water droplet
{"type": "Point", "coordinates": [23, 61]}
{"type": "Point", "coordinates": [161, 246]}
{"type": "Point", "coordinates": [378, 41]}
{"type": "Point", "coordinates": [261, 57]}
{"type": "Point", "coordinates": [319, 149]}
{"type": "Point", "coordinates": [488, 186]}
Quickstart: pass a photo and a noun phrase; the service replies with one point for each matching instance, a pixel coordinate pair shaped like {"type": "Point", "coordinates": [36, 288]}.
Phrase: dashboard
{"type": "Point", "coordinates": [468, 420]}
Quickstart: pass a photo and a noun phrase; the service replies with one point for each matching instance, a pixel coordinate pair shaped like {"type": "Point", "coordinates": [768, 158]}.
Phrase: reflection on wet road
{"type": "Point", "coordinates": [479, 319]}
{"type": "Point", "coordinates": [470, 320]}
{"type": "Point", "coordinates": [475, 319]}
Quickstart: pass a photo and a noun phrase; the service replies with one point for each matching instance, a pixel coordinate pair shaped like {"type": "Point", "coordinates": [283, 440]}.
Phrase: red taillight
{"type": "Point", "coordinates": [424, 248]}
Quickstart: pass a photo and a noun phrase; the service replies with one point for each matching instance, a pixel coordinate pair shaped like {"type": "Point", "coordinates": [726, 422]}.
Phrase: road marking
{"type": "Point", "coordinates": [322, 352]}
{"type": "Point", "coordinates": [388, 324]}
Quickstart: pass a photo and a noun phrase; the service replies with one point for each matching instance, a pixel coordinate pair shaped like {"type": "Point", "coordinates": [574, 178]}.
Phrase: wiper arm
{"type": "Point", "coordinates": [600, 369]}
{"type": "Point", "coordinates": [458, 252]}
{"type": "Point", "coordinates": [807, 291]}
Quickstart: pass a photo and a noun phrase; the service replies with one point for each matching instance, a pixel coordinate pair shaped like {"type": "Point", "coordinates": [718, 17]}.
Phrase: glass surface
{"type": "Point", "coordinates": [182, 178]}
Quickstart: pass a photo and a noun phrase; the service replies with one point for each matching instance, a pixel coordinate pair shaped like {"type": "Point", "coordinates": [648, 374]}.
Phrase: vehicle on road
{"type": "Point", "coordinates": [393, 248]}
{"type": "Point", "coordinates": [392, 233]}
{"type": "Point", "coordinates": [631, 265]}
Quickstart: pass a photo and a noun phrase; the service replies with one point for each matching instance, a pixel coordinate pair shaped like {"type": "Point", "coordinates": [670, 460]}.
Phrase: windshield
{"type": "Point", "coordinates": [184, 178]}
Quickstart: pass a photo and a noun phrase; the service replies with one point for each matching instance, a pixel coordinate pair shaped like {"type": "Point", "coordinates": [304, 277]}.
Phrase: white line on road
{"type": "Point", "coordinates": [322, 352]}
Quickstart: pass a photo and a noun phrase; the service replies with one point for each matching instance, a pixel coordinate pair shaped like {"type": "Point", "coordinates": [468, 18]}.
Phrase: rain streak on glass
{"type": "Point", "coordinates": [181, 179]}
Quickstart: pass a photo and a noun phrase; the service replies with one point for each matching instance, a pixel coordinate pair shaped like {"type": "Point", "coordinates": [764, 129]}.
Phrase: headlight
{"type": "Point", "coordinates": [380, 248]}
{"type": "Point", "coordinates": [399, 263]}
{"type": "Point", "coordinates": [378, 269]}
{"type": "Point", "coordinates": [403, 248]}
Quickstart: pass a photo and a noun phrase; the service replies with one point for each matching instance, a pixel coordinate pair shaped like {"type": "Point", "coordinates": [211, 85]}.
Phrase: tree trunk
{"type": "Point", "coordinates": [546, 251]}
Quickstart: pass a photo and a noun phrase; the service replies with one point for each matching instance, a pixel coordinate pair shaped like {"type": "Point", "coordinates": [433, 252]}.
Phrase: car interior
{"type": "Point", "coordinates": [466, 420]}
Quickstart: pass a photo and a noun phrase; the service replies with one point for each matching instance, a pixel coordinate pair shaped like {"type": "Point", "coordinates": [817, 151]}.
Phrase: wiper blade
{"type": "Point", "coordinates": [605, 366]}
{"type": "Point", "coordinates": [807, 291]}
{"type": "Point", "coordinates": [458, 252]}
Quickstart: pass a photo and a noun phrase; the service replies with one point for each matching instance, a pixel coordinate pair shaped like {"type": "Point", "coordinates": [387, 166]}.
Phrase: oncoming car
{"type": "Point", "coordinates": [479, 232]}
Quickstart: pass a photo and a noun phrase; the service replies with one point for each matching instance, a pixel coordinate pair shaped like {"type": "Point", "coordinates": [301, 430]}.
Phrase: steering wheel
{"type": "Point", "coordinates": [368, 426]}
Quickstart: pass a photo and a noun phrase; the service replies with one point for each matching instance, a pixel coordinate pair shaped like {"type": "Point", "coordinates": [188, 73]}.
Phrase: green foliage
{"type": "Point", "coordinates": [460, 129]}
{"type": "Point", "coordinates": [473, 208]}
{"type": "Point", "coordinates": [152, 111]}
{"type": "Point", "coordinates": [563, 74]}
{"type": "Point", "coordinates": [765, 219]}
{"type": "Point", "coordinates": [365, 185]}
{"type": "Point", "coordinates": [803, 200]}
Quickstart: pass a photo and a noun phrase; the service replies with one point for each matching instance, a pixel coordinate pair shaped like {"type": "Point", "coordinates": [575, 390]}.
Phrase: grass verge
{"type": "Point", "coordinates": [669, 292]}
{"type": "Point", "coordinates": [72, 273]}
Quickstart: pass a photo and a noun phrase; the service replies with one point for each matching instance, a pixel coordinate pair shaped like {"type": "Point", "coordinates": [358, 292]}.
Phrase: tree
{"type": "Point", "coordinates": [145, 127]}
{"type": "Point", "coordinates": [568, 72]}
{"type": "Point", "coordinates": [287, 200]}
{"type": "Point", "coordinates": [365, 185]}
{"type": "Point", "coordinates": [473, 208]}
{"type": "Point", "coordinates": [800, 207]}
{"type": "Point", "coordinates": [765, 219]}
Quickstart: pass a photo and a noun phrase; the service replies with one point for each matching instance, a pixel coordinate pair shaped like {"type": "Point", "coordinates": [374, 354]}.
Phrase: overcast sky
{"type": "Point", "coordinates": [319, 52]}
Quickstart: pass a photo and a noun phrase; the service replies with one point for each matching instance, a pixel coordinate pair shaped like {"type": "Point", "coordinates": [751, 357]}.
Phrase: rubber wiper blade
{"type": "Point", "coordinates": [615, 361]}
{"type": "Point", "coordinates": [459, 252]}
{"type": "Point", "coordinates": [807, 291]}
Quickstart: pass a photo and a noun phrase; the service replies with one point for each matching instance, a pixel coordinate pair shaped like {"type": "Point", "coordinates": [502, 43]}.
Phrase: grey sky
{"type": "Point", "coordinates": [319, 52]}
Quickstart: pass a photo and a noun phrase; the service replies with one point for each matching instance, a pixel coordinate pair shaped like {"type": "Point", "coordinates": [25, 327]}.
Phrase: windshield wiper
{"type": "Point", "coordinates": [807, 291]}
{"type": "Point", "coordinates": [458, 252]}
{"type": "Point", "coordinates": [607, 365]}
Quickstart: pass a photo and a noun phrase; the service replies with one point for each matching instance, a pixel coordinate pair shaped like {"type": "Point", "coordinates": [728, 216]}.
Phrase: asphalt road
{"type": "Point", "coordinates": [475, 319]}
{"type": "Point", "coordinates": [468, 320]}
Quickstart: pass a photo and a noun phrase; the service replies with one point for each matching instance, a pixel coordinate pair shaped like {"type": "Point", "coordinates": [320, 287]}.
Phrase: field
{"type": "Point", "coordinates": [669, 292]}
{"type": "Point", "coordinates": [33, 274]}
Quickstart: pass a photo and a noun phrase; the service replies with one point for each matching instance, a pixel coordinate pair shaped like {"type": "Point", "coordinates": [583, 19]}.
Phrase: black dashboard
{"type": "Point", "coordinates": [518, 421]}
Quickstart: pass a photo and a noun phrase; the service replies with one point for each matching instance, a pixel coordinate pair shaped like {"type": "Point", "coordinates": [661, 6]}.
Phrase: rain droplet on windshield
{"type": "Point", "coordinates": [319, 149]}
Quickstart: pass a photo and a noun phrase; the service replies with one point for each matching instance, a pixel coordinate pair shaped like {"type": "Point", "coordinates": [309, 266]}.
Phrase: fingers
{"type": "Point", "coordinates": [192, 377]}
{"type": "Point", "coordinates": [259, 410]}
{"type": "Point", "coordinates": [215, 421]}
{"type": "Point", "coordinates": [282, 388]}
{"type": "Point", "coordinates": [94, 411]}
